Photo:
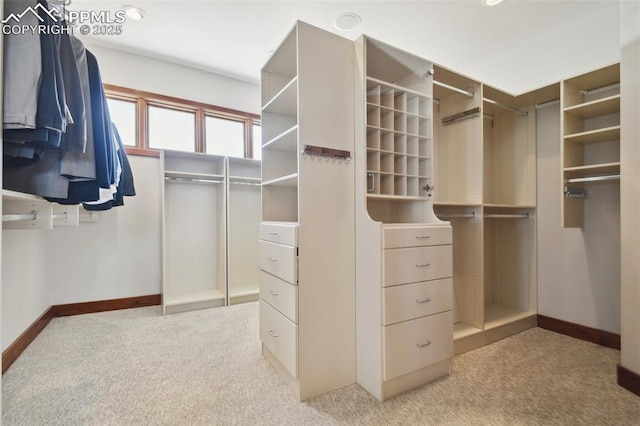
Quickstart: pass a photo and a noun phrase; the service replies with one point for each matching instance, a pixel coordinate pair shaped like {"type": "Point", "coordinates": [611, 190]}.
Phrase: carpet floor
{"type": "Point", "coordinates": [136, 367]}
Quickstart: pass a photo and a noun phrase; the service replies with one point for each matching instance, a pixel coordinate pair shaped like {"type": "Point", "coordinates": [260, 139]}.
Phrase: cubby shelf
{"type": "Point", "coordinates": [595, 136]}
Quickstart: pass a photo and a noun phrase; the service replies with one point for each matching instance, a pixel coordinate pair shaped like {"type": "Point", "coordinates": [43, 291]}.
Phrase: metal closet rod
{"type": "Point", "coordinates": [471, 215]}
{"type": "Point", "coordinates": [599, 89]}
{"type": "Point", "coordinates": [593, 179]}
{"type": "Point", "coordinates": [507, 216]}
{"type": "Point", "coordinates": [197, 180]}
{"type": "Point", "coordinates": [455, 89]}
{"type": "Point", "coordinates": [244, 183]}
{"type": "Point", "coordinates": [498, 104]}
{"type": "Point", "coordinates": [20, 217]}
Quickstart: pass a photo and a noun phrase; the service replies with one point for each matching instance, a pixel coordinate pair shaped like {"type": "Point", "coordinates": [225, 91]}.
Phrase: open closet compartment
{"type": "Point", "coordinates": [306, 246]}
{"type": "Point", "coordinates": [243, 220]}
{"type": "Point", "coordinates": [590, 125]}
{"type": "Point", "coordinates": [404, 318]}
{"type": "Point", "coordinates": [193, 231]}
{"type": "Point", "coordinates": [509, 200]}
{"type": "Point", "coordinates": [458, 149]}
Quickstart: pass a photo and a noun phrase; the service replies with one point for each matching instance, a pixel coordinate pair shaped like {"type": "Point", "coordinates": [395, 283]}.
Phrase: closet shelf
{"type": "Point", "coordinates": [195, 297]}
{"type": "Point", "coordinates": [509, 206]}
{"type": "Point", "coordinates": [592, 170]}
{"type": "Point", "coordinates": [401, 154]}
{"type": "Point", "coordinates": [456, 204]}
{"type": "Point", "coordinates": [14, 195]}
{"type": "Point", "coordinates": [595, 136]}
{"type": "Point", "coordinates": [395, 132]}
{"type": "Point", "coordinates": [604, 106]}
{"type": "Point", "coordinates": [285, 181]}
{"type": "Point", "coordinates": [372, 106]}
{"type": "Point", "coordinates": [284, 102]}
{"type": "Point", "coordinates": [397, 197]}
{"type": "Point", "coordinates": [496, 315]}
{"type": "Point", "coordinates": [462, 330]}
{"type": "Point", "coordinates": [372, 82]}
{"type": "Point", "coordinates": [285, 141]}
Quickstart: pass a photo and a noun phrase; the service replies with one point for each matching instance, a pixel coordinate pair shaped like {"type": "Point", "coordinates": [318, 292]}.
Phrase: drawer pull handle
{"type": "Point", "coordinates": [427, 300]}
{"type": "Point", "coordinates": [272, 259]}
{"type": "Point", "coordinates": [273, 233]}
{"type": "Point", "coordinates": [422, 345]}
{"type": "Point", "coordinates": [422, 265]}
{"type": "Point", "coordinates": [273, 293]}
{"type": "Point", "coordinates": [272, 333]}
{"type": "Point", "coordinates": [422, 237]}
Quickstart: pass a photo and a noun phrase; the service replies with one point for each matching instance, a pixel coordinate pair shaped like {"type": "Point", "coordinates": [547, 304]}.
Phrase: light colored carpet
{"type": "Point", "coordinates": [135, 367]}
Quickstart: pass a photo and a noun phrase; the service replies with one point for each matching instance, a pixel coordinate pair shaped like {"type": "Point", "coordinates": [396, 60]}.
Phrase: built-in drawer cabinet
{"type": "Point", "coordinates": [280, 294]}
{"type": "Point", "coordinates": [410, 301]}
{"type": "Point", "coordinates": [410, 265]}
{"type": "Point", "coordinates": [279, 260]}
{"type": "Point", "coordinates": [416, 236]}
{"type": "Point", "coordinates": [415, 344]}
{"type": "Point", "coordinates": [280, 335]}
{"type": "Point", "coordinates": [279, 232]}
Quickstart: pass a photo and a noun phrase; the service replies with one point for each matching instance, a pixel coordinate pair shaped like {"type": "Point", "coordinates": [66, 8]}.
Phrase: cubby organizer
{"type": "Point", "coordinates": [398, 139]}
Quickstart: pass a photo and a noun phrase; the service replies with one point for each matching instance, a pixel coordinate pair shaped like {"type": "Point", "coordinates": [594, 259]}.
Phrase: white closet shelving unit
{"type": "Point", "coordinates": [26, 211]}
{"type": "Point", "coordinates": [404, 303]}
{"type": "Point", "coordinates": [243, 219]}
{"type": "Point", "coordinates": [193, 208]}
{"type": "Point", "coordinates": [591, 138]}
{"type": "Point", "coordinates": [306, 247]}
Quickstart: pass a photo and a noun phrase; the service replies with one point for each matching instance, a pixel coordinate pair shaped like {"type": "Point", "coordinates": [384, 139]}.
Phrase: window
{"type": "Point", "coordinates": [123, 115]}
{"type": "Point", "coordinates": [148, 122]}
{"type": "Point", "coordinates": [224, 137]}
{"type": "Point", "coordinates": [172, 129]}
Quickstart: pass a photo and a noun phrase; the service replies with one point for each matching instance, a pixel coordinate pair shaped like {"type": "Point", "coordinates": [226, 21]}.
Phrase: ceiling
{"type": "Point", "coordinates": [517, 46]}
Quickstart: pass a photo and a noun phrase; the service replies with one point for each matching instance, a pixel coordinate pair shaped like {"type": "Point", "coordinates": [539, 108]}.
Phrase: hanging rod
{"type": "Point", "coordinates": [64, 216]}
{"type": "Point", "coordinates": [498, 104]}
{"type": "Point", "coordinates": [473, 112]}
{"type": "Point", "coordinates": [507, 216]}
{"type": "Point", "coordinates": [599, 89]}
{"type": "Point", "coordinates": [471, 215]}
{"type": "Point", "coordinates": [19, 217]}
{"type": "Point", "coordinates": [593, 179]}
{"type": "Point", "coordinates": [196, 180]}
{"type": "Point", "coordinates": [455, 89]}
{"type": "Point", "coordinates": [231, 182]}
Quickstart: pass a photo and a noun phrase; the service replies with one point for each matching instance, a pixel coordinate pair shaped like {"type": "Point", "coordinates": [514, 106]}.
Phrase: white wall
{"type": "Point", "coordinates": [118, 256]}
{"type": "Point", "coordinates": [152, 75]}
{"type": "Point", "coordinates": [630, 190]}
{"type": "Point", "coordinates": [578, 268]}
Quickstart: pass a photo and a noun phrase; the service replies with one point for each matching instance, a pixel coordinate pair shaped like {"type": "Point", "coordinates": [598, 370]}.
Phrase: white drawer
{"type": "Point", "coordinates": [279, 232]}
{"type": "Point", "coordinates": [411, 265]}
{"type": "Point", "coordinates": [279, 260]}
{"type": "Point", "coordinates": [415, 344]}
{"type": "Point", "coordinates": [409, 301]}
{"type": "Point", "coordinates": [281, 337]}
{"type": "Point", "coordinates": [416, 236]}
{"type": "Point", "coordinates": [280, 294]}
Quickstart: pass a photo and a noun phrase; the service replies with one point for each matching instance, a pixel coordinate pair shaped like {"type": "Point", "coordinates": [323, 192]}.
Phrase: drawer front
{"type": "Point", "coordinates": [280, 294]}
{"type": "Point", "coordinates": [281, 233]}
{"type": "Point", "coordinates": [411, 265]}
{"type": "Point", "coordinates": [417, 236]}
{"type": "Point", "coordinates": [415, 344]}
{"type": "Point", "coordinates": [281, 337]}
{"type": "Point", "coordinates": [410, 301]}
{"type": "Point", "coordinates": [279, 260]}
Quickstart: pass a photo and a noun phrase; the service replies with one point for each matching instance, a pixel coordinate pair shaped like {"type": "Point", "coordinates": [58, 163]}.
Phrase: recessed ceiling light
{"type": "Point", "coordinates": [347, 21]}
{"type": "Point", "coordinates": [134, 12]}
{"type": "Point", "coordinates": [491, 2]}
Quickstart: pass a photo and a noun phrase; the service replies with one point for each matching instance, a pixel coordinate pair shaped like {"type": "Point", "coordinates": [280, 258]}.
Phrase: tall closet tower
{"type": "Point", "coordinates": [306, 247]}
{"type": "Point", "coordinates": [404, 298]}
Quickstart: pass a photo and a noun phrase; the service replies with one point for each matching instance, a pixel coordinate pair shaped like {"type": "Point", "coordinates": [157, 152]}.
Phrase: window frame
{"type": "Point", "coordinates": [201, 110]}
